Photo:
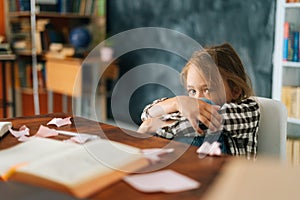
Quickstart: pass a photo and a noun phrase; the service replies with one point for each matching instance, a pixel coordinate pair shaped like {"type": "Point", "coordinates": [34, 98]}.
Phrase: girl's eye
{"type": "Point", "coordinates": [191, 92]}
{"type": "Point", "coordinates": [206, 91]}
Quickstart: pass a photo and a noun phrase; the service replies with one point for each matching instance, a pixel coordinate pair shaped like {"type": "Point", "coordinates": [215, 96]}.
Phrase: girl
{"type": "Point", "coordinates": [219, 105]}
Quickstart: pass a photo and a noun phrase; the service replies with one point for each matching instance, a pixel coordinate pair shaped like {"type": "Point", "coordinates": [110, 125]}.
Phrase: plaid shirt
{"type": "Point", "coordinates": [240, 126]}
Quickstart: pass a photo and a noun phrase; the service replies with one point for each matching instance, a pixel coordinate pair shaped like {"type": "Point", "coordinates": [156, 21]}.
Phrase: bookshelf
{"type": "Point", "coordinates": [286, 71]}
{"type": "Point", "coordinates": [32, 26]}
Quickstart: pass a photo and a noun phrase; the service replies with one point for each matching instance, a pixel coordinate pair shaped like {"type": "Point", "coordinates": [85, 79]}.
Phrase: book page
{"type": "Point", "coordinates": [4, 127]}
{"type": "Point", "coordinates": [89, 161]}
{"type": "Point", "coordinates": [34, 149]}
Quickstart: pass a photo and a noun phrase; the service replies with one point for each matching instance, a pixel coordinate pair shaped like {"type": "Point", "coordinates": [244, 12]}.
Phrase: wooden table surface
{"type": "Point", "coordinates": [184, 160]}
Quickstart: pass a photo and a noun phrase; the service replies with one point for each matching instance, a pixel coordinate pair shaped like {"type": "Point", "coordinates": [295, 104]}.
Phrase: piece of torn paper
{"type": "Point", "coordinates": [22, 134]}
{"type": "Point", "coordinates": [162, 181]}
{"type": "Point", "coordinates": [46, 132]}
{"type": "Point", "coordinates": [153, 154]}
{"type": "Point", "coordinates": [60, 121]}
{"type": "Point", "coordinates": [43, 131]}
{"type": "Point", "coordinates": [23, 130]}
{"type": "Point", "coordinates": [212, 149]}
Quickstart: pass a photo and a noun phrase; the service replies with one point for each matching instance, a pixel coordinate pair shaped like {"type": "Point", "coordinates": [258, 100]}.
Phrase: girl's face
{"type": "Point", "coordinates": [198, 87]}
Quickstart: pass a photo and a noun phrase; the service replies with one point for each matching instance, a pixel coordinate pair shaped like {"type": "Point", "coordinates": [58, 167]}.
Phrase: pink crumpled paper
{"type": "Point", "coordinates": [23, 130]}
{"type": "Point", "coordinates": [60, 121]}
{"type": "Point", "coordinates": [23, 133]}
{"type": "Point", "coordinates": [46, 132]}
{"type": "Point", "coordinates": [212, 149]}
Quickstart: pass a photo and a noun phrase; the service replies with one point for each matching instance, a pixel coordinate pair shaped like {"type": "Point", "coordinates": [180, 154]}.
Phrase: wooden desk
{"type": "Point", "coordinates": [202, 170]}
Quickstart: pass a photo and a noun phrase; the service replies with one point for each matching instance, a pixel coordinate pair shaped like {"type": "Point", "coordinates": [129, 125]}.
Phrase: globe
{"type": "Point", "coordinates": [80, 37]}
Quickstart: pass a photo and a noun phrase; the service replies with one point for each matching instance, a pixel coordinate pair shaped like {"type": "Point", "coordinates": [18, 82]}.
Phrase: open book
{"type": "Point", "coordinates": [80, 170]}
{"type": "Point", "coordinates": [4, 128]}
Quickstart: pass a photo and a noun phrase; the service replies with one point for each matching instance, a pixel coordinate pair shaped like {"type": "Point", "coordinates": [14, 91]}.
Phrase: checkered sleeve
{"type": "Point", "coordinates": [145, 114]}
{"type": "Point", "coordinates": [180, 126]}
{"type": "Point", "coordinates": [241, 125]}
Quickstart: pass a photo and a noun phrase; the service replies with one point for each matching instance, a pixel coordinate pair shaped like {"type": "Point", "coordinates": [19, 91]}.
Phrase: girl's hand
{"type": "Point", "coordinates": [152, 124]}
{"type": "Point", "coordinates": [196, 110]}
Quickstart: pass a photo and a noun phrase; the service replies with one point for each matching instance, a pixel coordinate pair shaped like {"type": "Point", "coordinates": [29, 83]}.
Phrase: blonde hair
{"type": "Point", "coordinates": [229, 65]}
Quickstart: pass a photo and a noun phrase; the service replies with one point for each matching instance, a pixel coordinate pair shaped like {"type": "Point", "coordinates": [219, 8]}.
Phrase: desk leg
{"type": "Point", "coordinates": [4, 89]}
{"type": "Point", "coordinates": [13, 103]}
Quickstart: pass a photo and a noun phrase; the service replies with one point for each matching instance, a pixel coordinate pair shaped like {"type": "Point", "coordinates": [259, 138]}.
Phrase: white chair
{"type": "Point", "coordinates": [272, 129]}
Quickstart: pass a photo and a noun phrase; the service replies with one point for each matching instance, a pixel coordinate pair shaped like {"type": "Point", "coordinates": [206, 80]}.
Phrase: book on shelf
{"type": "Point", "coordinates": [293, 151]}
{"type": "Point", "coordinates": [80, 170]}
{"type": "Point", "coordinates": [23, 5]}
{"type": "Point", "coordinates": [289, 150]}
{"type": "Point", "coordinates": [296, 46]}
{"type": "Point", "coordinates": [83, 7]}
{"type": "Point", "coordinates": [290, 96]}
{"type": "Point", "coordinates": [100, 8]}
{"type": "Point", "coordinates": [290, 43]}
{"type": "Point", "coordinates": [286, 41]}
{"type": "Point", "coordinates": [90, 7]}
{"type": "Point", "coordinates": [19, 5]}
{"type": "Point", "coordinates": [296, 153]}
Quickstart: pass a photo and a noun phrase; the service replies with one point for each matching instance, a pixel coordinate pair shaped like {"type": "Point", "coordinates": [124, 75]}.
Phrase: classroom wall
{"type": "Point", "coordinates": [248, 25]}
